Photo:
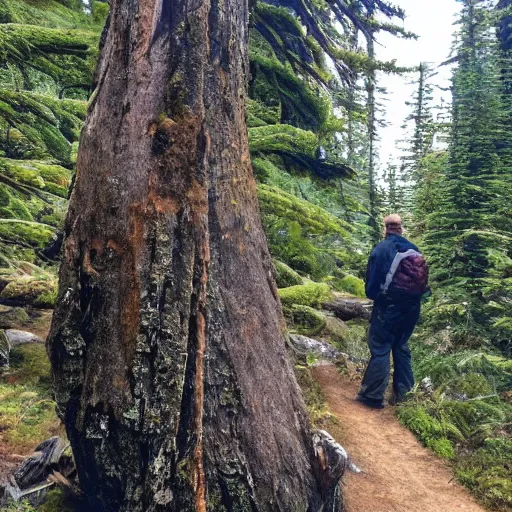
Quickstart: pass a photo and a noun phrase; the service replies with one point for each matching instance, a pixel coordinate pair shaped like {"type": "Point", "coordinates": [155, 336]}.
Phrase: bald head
{"type": "Point", "coordinates": [393, 224]}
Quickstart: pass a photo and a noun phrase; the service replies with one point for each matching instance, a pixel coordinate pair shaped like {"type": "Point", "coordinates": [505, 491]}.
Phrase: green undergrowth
{"type": "Point", "coordinates": [355, 340]}
{"type": "Point", "coordinates": [304, 320]}
{"type": "Point", "coordinates": [307, 237]}
{"type": "Point", "coordinates": [40, 126]}
{"type": "Point", "coordinates": [467, 415]}
{"type": "Point", "coordinates": [286, 276]}
{"type": "Point", "coordinates": [317, 220]}
{"type": "Point", "coordinates": [27, 411]}
{"type": "Point", "coordinates": [313, 397]}
{"type": "Point", "coordinates": [57, 500]}
{"type": "Point", "coordinates": [32, 206]}
{"type": "Point", "coordinates": [26, 235]}
{"type": "Point", "coordinates": [47, 13]}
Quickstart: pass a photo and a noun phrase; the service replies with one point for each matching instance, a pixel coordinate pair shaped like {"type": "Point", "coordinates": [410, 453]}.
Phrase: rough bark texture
{"type": "Point", "coordinates": [167, 344]}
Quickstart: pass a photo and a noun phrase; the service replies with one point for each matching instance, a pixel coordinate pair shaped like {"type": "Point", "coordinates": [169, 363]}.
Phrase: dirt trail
{"type": "Point", "coordinates": [399, 475]}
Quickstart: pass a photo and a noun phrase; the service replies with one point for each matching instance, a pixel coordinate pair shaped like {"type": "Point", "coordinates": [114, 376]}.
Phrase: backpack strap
{"type": "Point", "coordinates": [394, 267]}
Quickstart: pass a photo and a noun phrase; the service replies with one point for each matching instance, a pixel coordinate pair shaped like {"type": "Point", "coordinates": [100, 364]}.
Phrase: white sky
{"type": "Point", "coordinates": [433, 21]}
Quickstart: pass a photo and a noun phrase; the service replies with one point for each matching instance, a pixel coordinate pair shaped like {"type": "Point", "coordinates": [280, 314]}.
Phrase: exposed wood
{"type": "Point", "coordinates": [47, 457]}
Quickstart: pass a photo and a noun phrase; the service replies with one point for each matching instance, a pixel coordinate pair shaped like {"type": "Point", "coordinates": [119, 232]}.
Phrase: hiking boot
{"type": "Point", "coordinates": [370, 402]}
{"type": "Point", "coordinates": [394, 400]}
{"type": "Point", "coordinates": [397, 400]}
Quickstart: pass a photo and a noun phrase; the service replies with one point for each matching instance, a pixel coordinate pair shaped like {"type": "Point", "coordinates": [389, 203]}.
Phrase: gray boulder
{"type": "Point", "coordinates": [305, 346]}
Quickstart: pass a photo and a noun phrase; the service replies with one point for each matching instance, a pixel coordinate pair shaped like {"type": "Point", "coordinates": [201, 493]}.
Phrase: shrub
{"type": "Point", "coordinates": [310, 294]}
{"type": "Point", "coordinates": [285, 276]}
{"type": "Point", "coordinates": [351, 284]}
{"type": "Point", "coordinates": [305, 320]}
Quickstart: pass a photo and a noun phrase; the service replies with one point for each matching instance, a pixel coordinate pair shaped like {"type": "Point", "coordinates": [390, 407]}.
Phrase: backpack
{"type": "Point", "coordinates": [408, 275]}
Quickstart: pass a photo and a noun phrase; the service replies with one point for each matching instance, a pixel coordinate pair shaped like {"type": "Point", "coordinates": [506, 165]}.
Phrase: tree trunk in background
{"type": "Point", "coordinates": [418, 138]}
{"type": "Point", "coordinates": [167, 345]}
{"type": "Point", "coordinates": [351, 110]}
{"type": "Point", "coordinates": [371, 80]}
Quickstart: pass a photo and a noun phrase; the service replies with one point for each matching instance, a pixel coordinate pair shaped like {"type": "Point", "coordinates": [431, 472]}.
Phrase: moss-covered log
{"type": "Point", "coordinates": [167, 343]}
{"type": "Point", "coordinates": [32, 206]}
{"type": "Point", "coordinates": [315, 219]}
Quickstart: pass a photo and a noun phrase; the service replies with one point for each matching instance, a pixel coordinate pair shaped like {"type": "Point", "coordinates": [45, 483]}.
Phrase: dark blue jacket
{"type": "Point", "coordinates": [380, 262]}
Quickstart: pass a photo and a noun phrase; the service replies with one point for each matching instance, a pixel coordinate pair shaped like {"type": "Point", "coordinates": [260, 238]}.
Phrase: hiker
{"type": "Point", "coordinates": [396, 280]}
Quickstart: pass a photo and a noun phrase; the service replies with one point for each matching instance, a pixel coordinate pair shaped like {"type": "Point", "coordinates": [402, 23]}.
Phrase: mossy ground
{"type": "Point", "coordinates": [27, 411]}
{"type": "Point", "coordinates": [304, 320]}
{"type": "Point", "coordinates": [314, 398]}
{"type": "Point", "coordinates": [309, 294]}
{"type": "Point", "coordinates": [57, 500]}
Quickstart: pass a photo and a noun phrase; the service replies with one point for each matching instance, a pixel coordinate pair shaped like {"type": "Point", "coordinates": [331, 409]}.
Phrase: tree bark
{"type": "Point", "coordinates": [167, 345]}
{"type": "Point", "coordinates": [371, 84]}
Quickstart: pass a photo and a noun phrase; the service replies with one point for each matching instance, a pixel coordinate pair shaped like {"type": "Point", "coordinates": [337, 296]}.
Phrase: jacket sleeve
{"type": "Point", "coordinates": [372, 278]}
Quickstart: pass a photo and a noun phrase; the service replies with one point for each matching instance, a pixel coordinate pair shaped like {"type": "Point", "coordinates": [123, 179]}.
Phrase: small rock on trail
{"type": "Point", "coordinates": [398, 474]}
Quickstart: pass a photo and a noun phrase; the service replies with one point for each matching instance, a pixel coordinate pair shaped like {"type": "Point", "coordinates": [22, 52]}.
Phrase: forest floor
{"type": "Point", "coordinates": [398, 474]}
{"type": "Point", "coordinates": [19, 389]}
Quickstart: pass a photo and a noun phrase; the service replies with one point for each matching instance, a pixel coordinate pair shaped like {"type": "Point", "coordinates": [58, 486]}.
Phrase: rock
{"type": "Point", "coordinates": [28, 290]}
{"type": "Point", "coordinates": [285, 275]}
{"type": "Point", "coordinates": [348, 308]}
{"type": "Point", "coordinates": [5, 349]}
{"type": "Point", "coordinates": [337, 329]}
{"type": "Point", "coordinates": [304, 346]}
{"type": "Point", "coordinates": [427, 386]}
{"type": "Point", "coordinates": [12, 317]}
{"type": "Point", "coordinates": [305, 320]}
{"type": "Point", "coordinates": [10, 338]}
{"type": "Point", "coordinates": [21, 337]}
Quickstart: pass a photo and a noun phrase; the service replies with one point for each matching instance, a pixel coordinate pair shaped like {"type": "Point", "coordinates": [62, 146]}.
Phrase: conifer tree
{"type": "Point", "coordinates": [393, 194]}
{"type": "Point", "coordinates": [46, 63]}
{"type": "Point", "coordinates": [469, 235]}
{"type": "Point", "coordinates": [421, 116]}
{"type": "Point", "coordinates": [419, 143]}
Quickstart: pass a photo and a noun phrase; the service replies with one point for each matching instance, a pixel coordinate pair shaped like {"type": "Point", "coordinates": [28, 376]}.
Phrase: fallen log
{"type": "Point", "coordinates": [32, 480]}
{"type": "Point", "coordinates": [349, 308]}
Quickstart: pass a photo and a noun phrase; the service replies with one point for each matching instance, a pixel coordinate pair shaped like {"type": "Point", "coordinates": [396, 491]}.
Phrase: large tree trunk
{"type": "Point", "coordinates": [167, 344]}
